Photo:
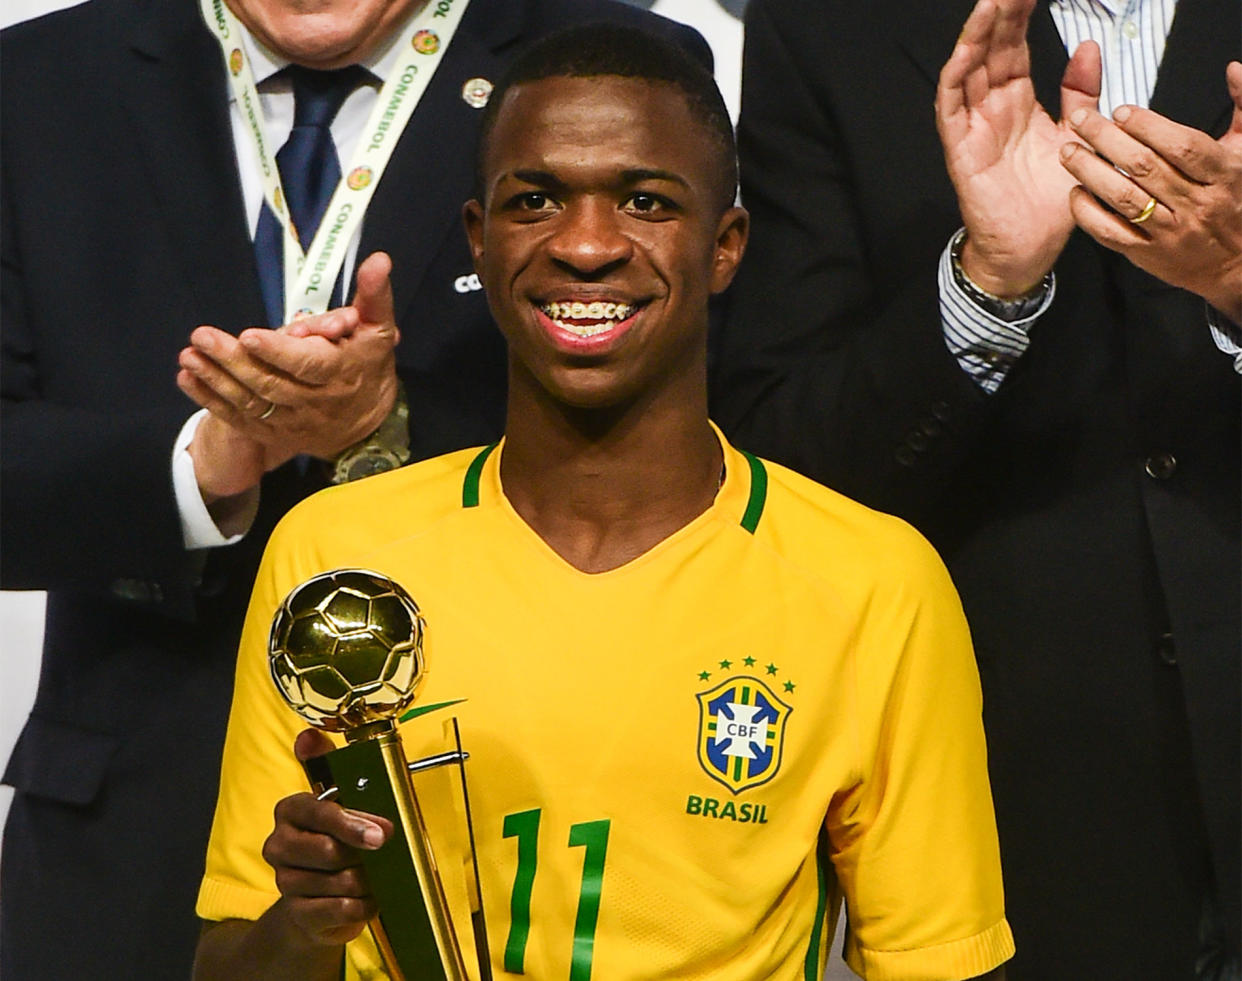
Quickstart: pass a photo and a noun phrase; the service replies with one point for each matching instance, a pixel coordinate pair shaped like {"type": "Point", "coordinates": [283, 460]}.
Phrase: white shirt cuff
{"type": "Point", "coordinates": [1227, 335]}
{"type": "Point", "coordinates": [986, 346]}
{"type": "Point", "coordinates": [197, 528]}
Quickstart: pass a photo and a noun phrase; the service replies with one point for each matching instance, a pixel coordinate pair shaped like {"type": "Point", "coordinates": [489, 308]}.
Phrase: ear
{"type": "Point", "coordinates": [732, 232]}
{"type": "Point", "coordinates": [472, 218]}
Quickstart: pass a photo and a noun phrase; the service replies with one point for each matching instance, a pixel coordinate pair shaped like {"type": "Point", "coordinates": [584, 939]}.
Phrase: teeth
{"type": "Point", "coordinates": [585, 330]}
{"type": "Point", "coordinates": [600, 314]}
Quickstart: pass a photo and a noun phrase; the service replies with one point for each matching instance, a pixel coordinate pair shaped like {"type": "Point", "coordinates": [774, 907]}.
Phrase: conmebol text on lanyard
{"type": "Point", "coordinates": [309, 277]}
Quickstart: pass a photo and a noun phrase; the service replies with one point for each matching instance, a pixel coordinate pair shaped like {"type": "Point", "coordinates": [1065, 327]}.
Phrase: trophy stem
{"type": "Point", "coordinates": [413, 930]}
{"type": "Point", "coordinates": [415, 829]}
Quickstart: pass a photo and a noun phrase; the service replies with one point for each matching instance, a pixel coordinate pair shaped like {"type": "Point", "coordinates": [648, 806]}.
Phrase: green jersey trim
{"type": "Point", "coordinates": [758, 492]}
{"type": "Point", "coordinates": [813, 969]}
{"type": "Point", "coordinates": [750, 518]}
{"type": "Point", "coordinates": [470, 486]}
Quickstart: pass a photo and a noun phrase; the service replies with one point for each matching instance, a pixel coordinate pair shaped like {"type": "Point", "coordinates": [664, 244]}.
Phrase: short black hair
{"type": "Point", "coordinates": [597, 49]}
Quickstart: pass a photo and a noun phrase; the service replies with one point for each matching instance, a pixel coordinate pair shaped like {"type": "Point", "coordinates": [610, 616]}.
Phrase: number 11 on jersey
{"type": "Point", "coordinates": [591, 835]}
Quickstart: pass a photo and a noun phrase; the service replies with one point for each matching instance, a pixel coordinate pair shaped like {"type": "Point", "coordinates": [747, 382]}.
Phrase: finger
{"type": "Point", "coordinates": [311, 360]}
{"type": "Point", "coordinates": [1110, 186]}
{"type": "Point", "coordinates": [254, 386]}
{"type": "Point", "coordinates": [333, 324]}
{"type": "Point", "coordinates": [1142, 165]}
{"type": "Point", "coordinates": [373, 295]}
{"type": "Point", "coordinates": [976, 87]}
{"type": "Point", "coordinates": [307, 813]}
{"type": "Point", "coordinates": [1192, 152]}
{"type": "Point", "coordinates": [1080, 85]}
{"type": "Point", "coordinates": [952, 89]}
{"type": "Point", "coordinates": [977, 30]}
{"type": "Point", "coordinates": [291, 847]}
{"type": "Point", "coordinates": [1013, 19]}
{"type": "Point", "coordinates": [349, 883]}
{"type": "Point", "coordinates": [950, 92]}
{"type": "Point", "coordinates": [205, 398]}
{"type": "Point", "coordinates": [311, 743]}
{"type": "Point", "coordinates": [202, 395]}
{"type": "Point", "coordinates": [1106, 227]}
{"type": "Point", "coordinates": [228, 392]}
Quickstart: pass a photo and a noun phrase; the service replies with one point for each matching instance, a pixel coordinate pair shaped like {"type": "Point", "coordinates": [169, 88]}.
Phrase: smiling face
{"type": "Point", "coordinates": [601, 237]}
{"type": "Point", "coordinates": [322, 34]}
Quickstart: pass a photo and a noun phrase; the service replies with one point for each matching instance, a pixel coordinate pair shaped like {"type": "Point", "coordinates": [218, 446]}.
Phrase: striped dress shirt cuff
{"type": "Point", "coordinates": [1227, 335]}
{"type": "Point", "coordinates": [986, 346]}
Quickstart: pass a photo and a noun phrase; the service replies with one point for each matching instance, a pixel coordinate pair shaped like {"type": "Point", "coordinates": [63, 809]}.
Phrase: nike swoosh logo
{"type": "Point", "coordinates": [424, 709]}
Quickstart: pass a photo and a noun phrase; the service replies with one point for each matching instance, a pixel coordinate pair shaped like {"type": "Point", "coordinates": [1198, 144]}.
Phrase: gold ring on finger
{"type": "Point", "coordinates": [271, 407]}
{"type": "Point", "coordinates": [1143, 215]}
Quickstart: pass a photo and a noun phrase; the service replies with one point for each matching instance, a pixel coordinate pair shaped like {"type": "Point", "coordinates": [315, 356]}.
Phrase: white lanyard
{"type": "Point", "coordinates": [309, 277]}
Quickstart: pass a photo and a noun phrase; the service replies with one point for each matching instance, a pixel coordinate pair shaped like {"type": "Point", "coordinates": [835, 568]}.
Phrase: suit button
{"type": "Point", "coordinates": [1161, 466]}
{"type": "Point", "coordinates": [941, 411]}
{"type": "Point", "coordinates": [930, 427]}
{"type": "Point", "coordinates": [905, 456]}
{"type": "Point", "coordinates": [916, 441]}
{"type": "Point", "coordinates": [1166, 650]}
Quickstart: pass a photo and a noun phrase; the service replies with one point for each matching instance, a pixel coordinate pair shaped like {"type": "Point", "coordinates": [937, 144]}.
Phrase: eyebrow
{"type": "Point", "coordinates": [544, 178]}
{"type": "Point", "coordinates": [639, 175]}
{"type": "Point", "coordinates": [539, 178]}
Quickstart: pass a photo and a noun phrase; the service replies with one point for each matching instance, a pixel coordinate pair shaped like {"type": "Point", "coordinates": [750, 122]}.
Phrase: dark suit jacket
{"type": "Point", "coordinates": [123, 228]}
{"type": "Point", "coordinates": [1115, 770]}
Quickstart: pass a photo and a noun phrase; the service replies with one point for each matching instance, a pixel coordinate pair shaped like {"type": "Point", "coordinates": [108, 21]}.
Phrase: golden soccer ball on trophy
{"type": "Point", "coordinates": [346, 649]}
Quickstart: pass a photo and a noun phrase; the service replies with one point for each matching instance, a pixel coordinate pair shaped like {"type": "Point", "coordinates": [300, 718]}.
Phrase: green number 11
{"type": "Point", "coordinates": [591, 835]}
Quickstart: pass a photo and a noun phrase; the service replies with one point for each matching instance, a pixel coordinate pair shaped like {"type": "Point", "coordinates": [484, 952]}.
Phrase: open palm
{"type": "Point", "coordinates": [1002, 148]}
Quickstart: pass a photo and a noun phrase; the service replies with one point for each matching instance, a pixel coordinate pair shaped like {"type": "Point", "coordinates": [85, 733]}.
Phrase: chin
{"type": "Point", "coordinates": [323, 34]}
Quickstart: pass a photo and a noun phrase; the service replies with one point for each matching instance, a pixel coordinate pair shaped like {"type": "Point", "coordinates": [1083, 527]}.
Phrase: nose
{"type": "Point", "coordinates": [589, 240]}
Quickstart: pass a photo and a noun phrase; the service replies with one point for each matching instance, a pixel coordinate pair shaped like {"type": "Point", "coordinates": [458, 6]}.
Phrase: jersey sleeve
{"type": "Point", "coordinates": [915, 844]}
{"type": "Point", "coordinates": [258, 767]}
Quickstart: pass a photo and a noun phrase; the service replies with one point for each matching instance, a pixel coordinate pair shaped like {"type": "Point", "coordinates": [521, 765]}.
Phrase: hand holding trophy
{"type": "Point", "coordinates": [346, 653]}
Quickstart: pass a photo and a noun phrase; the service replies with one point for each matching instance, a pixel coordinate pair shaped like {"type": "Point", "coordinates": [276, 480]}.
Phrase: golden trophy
{"type": "Point", "coordinates": [346, 653]}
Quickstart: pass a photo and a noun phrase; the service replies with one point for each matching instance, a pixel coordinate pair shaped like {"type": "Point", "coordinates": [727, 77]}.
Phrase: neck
{"type": "Point", "coordinates": [603, 486]}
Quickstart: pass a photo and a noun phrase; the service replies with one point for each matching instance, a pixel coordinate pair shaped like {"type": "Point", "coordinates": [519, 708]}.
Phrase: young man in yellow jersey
{"type": "Point", "coordinates": [705, 698]}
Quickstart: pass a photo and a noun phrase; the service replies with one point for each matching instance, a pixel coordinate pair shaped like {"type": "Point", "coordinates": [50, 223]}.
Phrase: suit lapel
{"type": "Point", "coordinates": [1191, 85]}
{"type": "Point", "coordinates": [177, 99]}
{"type": "Point", "coordinates": [428, 178]}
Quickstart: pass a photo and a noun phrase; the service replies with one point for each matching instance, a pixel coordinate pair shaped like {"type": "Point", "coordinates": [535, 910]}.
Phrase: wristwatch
{"type": "Point", "coordinates": [385, 449]}
{"type": "Point", "coordinates": [1017, 308]}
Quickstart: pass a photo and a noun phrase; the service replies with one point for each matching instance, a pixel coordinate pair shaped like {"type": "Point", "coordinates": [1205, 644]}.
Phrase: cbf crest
{"type": "Point", "coordinates": [741, 732]}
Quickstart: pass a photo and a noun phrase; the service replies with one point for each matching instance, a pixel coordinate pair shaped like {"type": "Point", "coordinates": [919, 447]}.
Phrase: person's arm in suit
{"type": "Point", "coordinates": [817, 324]}
{"type": "Point", "coordinates": [805, 358]}
{"type": "Point", "coordinates": [126, 529]}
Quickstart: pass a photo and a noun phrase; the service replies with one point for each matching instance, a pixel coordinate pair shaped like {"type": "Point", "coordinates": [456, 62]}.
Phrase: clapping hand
{"type": "Point", "coordinates": [315, 386]}
{"type": "Point", "coordinates": [1002, 149]}
{"type": "Point", "coordinates": [1166, 196]}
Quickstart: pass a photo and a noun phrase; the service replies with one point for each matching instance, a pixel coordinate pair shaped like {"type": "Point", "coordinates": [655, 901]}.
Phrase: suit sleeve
{"type": "Point", "coordinates": [820, 363]}
{"type": "Point", "coordinates": [86, 497]}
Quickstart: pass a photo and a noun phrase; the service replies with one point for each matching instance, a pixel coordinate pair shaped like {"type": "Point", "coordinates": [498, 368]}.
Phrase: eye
{"type": "Point", "coordinates": [649, 205]}
{"type": "Point", "coordinates": [532, 201]}
{"type": "Point", "coordinates": [528, 206]}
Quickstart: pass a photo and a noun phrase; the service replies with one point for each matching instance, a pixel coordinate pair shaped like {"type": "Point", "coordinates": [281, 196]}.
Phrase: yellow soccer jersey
{"type": "Point", "coordinates": [678, 767]}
